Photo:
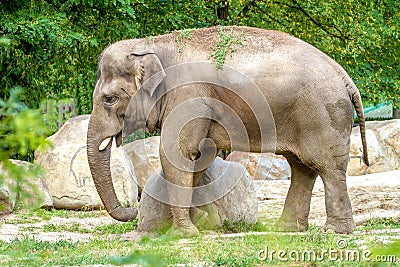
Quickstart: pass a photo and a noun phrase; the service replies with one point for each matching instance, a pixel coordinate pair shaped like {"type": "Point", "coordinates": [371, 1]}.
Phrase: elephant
{"type": "Point", "coordinates": [307, 114]}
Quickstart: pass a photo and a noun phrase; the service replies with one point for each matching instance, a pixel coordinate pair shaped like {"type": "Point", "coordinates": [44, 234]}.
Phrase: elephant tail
{"type": "Point", "coordinates": [357, 103]}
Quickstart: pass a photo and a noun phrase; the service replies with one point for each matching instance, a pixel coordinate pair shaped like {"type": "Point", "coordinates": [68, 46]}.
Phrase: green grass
{"type": "Point", "coordinates": [219, 251]}
{"type": "Point", "coordinates": [31, 216]}
{"type": "Point", "coordinates": [116, 228]}
{"type": "Point", "coordinates": [216, 250]}
{"type": "Point", "coordinates": [389, 223]}
{"type": "Point", "coordinates": [74, 227]}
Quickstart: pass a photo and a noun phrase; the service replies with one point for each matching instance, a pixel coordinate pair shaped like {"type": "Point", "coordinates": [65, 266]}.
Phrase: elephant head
{"type": "Point", "coordinates": [121, 76]}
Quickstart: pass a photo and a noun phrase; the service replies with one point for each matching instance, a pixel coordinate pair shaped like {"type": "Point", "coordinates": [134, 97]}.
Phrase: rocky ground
{"type": "Point", "coordinates": [374, 197]}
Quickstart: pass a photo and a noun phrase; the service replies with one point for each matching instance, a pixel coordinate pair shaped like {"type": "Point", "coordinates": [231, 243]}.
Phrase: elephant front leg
{"type": "Point", "coordinates": [185, 154]}
{"type": "Point", "coordinates": [180, 200]}
{"type": "Point", "coordinates": [180, 190]}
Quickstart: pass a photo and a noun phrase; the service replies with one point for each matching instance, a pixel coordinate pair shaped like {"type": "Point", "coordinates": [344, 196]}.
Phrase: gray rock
{"type": "Point", "coordinates": [33, 191]}
{"type": "Point", "coordinates": [225, 192]}
{"type": "Point", "coordinates": [8, 196]}
{"type": "Point", "coordinates": [383, 140]}
{"type": "Point", "coordinates": [145, 158]}
{"type": "Point", "coordinates": [67, 170]}
{"type": "Point", "coordinates": [262, 166]}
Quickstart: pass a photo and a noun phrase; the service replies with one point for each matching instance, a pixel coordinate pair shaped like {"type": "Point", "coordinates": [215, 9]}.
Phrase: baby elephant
{"type": "Point", "coordinates": [271, 93]}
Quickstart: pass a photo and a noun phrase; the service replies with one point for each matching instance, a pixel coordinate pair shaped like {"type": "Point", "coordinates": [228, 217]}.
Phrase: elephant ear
{"type": "Point", "coordinates": [149, 72]}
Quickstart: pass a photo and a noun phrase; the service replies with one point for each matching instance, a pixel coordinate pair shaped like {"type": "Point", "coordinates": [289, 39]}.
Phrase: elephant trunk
{"type": "Point", "coordinates": [99, 163]}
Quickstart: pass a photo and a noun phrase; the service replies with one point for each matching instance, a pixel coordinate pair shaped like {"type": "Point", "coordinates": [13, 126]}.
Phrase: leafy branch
{"type": "Point", "coordinates": [298, 7]}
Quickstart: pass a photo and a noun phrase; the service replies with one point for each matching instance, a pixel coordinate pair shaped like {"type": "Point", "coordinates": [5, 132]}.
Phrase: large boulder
{"type": "Point", "coordinates": [383, 140]}
{"type": "Point", "coordinates": [67, 170]}
{"type": "Point", "coordinates": [26, 193]}
{"type": "Point", "coordinates": [225, 192]}
{"type": "Point", "coordinates": [262, 166]}
{"type": "Point", "coordinates": [8, 193]}
{"type": "Point", "coordinates": [145, 158]}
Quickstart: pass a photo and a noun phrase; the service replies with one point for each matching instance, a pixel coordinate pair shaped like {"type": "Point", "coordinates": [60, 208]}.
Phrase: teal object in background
{"type": "Point", "coordinates": [382, 111]}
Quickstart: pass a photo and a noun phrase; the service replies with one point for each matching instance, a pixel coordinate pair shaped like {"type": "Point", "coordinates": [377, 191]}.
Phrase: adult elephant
{"type": "Point", "coordinates": [302, 109]}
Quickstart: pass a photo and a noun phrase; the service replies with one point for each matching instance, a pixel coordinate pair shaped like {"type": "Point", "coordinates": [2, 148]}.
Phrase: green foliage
{"type": "Point", "coordinates": [181, 38]}
{"type": "Point", "coordinates": [21, 128]}
{"type": "Point", "coordinates": [50, 47]}
{"type": "Point", "coordinates": [140, 259]}
{"type": "Point", "coordinates": [117, 228]}
{"type": "Point", "coordinates": [241, 226]}
{"type": "Point", "coordinates": [386, 253]}
{"type": "Point", "coordinates": [227, 44]}
{"type": "Point", "coordinates": [21, 131]}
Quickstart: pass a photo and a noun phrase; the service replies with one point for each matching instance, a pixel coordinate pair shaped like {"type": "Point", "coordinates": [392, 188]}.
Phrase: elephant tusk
{"type": "Point", "coordinates": [105, 143]}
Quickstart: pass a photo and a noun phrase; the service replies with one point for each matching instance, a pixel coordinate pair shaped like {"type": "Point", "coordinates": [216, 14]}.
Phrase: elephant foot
{"type": "Point", "coordinates": [283, 225]}
{"type": "Point", "coordinates": [340, 227]}
{"type": "Point", "coordinates": [183, 230]}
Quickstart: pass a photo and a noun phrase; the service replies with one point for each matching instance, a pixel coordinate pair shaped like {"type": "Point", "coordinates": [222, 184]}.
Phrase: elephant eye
{"type": "Point", "coordinates": [110, 99]}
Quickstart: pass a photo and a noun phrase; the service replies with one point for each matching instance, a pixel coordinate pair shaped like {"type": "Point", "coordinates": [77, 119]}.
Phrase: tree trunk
{"type": "Point", "coordinates": [223, 12]}
{"type": "Point", "coordinates": [396, 114]}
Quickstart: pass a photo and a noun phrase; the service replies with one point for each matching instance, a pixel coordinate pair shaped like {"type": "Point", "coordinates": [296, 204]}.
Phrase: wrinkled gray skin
{"type": "Point", "coordinates": [311, 98]}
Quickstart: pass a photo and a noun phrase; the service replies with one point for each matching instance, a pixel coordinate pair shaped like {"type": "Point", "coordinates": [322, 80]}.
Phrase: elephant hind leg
{"type": "Point", "coordinates": [297, 204]}
{"type": "Point", "coordinates": [337, 202]}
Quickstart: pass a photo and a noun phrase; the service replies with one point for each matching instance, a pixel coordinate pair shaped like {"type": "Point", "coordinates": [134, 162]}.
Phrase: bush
{"type": "Point", "coordinates": [22, 131]}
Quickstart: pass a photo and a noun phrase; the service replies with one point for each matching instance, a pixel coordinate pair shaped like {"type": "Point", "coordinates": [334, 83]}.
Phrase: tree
{"type": "Point", "coordinates": [50, 47]}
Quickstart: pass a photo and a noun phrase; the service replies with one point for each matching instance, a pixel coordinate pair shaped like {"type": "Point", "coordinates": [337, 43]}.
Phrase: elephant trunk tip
{"type": "Point", "coordinates": [124, 214]}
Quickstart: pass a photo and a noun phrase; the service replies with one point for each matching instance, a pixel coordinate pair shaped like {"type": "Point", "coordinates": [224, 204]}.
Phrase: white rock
{"type": "Point", "coordinates": [67, 170]}
{"type": "Point", "coordinates": [145, 158]}
{"type": "Point", "coordinates": [262, 166]}
{"type": "Point", "coordinates": [230, 195]}
{"type": "Point", "coordinates": [383, 141]}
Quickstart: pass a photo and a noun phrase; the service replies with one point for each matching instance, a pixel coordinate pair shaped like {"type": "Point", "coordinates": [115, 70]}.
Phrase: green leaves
{"type": "Point", "coordinates": [22, 130]}
{"type": "Point", "coordinates": [51, 47]}
{"type": "Point", "coordinates": [227, 44]}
